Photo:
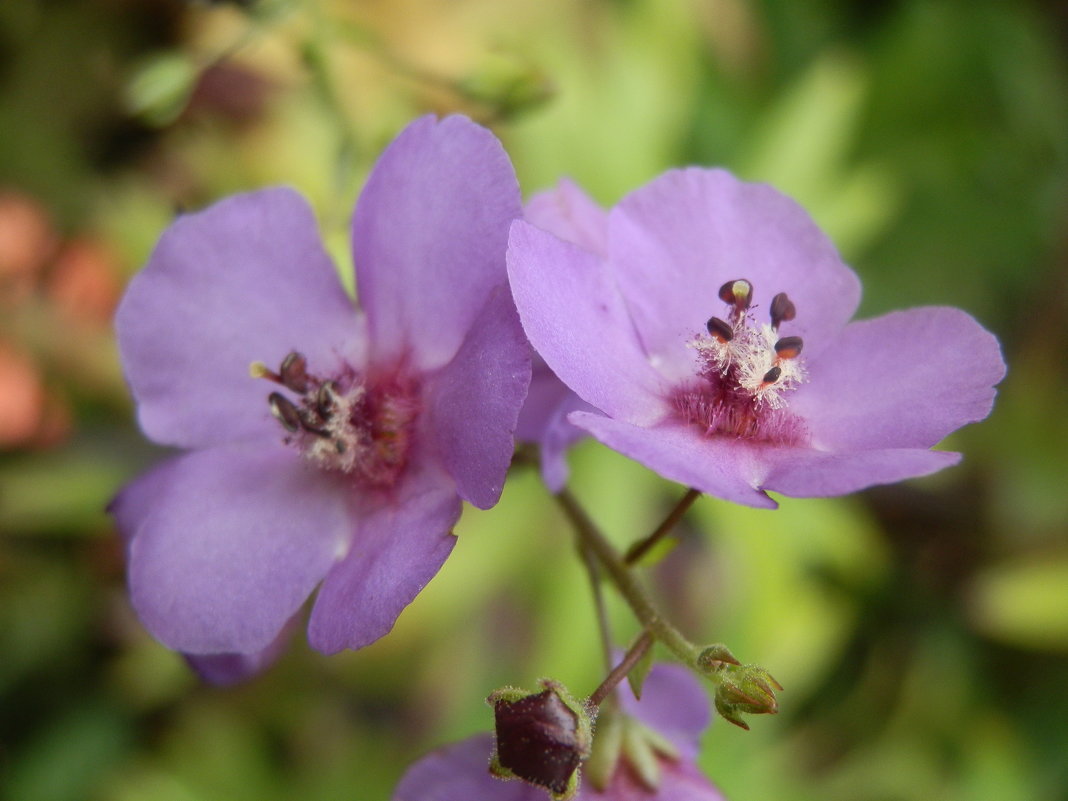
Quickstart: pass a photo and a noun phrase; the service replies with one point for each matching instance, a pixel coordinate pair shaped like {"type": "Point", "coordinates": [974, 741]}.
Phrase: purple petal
{"type": "Point", "coordinates": [460, 772]}
{"type": "Point", "coordinates": [474, 402]}
{"type": "Point", "coordinates": [904, 380]}
{"type": "Point", "coordinates": [224, 670]}
{"type": "Point", "coordinates": [234, 542]}
{"type": "Point", "coordinates": [816, 474]}
{"type": "Point", "coordinates": [730, 469]}
{"type": "Point", "coordinates": [136, 501]}
{"type": "Point", "coordinates": [574, 317]}
{"type": "Point", "coordinates": [674, 242]}
{"type": "Point", "coordinates": [244, 280]}
{"type": "Point", "coordinates": [673, 703]}
{"type": "Point", "coordinates": [543, 421]}
{"type": "Point", "coordinates": [570, 214]}
{"type": "Point", "coordinates": [398, 548]}
{"type": "Point", "coordinates": [429, 237]}
{"type": "Point", "coordinates": [680, 781]}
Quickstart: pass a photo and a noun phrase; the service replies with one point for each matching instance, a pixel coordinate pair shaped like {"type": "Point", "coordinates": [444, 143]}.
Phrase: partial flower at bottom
{"type": "Point", "coordinates": [325, 445]}
{"type": "Point", "coordinates": [712, 333]}
{"type": "Point", "coordinates": [672, 714]}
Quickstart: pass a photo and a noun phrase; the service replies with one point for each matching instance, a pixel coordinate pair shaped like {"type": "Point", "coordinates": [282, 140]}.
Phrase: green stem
{"type": "Point", "coordinates": [316, 49]}
{"type": "Point", "coordinates": [636, 596]}
{"type": "Point", "coordinates": [594, 573]}
{"type": "Point", "coordinates": [642, 547]}
{"type": "Point", "coordinates": [620, 671]}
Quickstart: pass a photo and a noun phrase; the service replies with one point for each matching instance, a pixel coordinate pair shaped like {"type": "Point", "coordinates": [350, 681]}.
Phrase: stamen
{"type": "Point", "coordinates": [720, 329]}
{"type": "Point", "coordinates": [284, 411]}
{"type": "Point", "coordinates": [294, 372]}
{"type": "Point", "coordinates": [782, 310]}
{"type": "Point", "coordinates": [738, 293]}
{"type": "Point", "coordinates": [789, 347]}
{"type": "Point", "coordinates": [261, 370]}
{"type": "Point", "coordinates": [310, 423]}
{"type": "Point", "coordinates": [772, 375]}
{"type": "Point", "coordinates": [326, 399]}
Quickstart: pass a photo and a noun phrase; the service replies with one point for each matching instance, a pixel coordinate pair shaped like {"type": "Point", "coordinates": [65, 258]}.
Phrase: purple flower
{"type": "Point", "coordinates": [344, 462]}
{"type": "Point", "coordinates": [713, 334]}
{"type": "Point", "coordinates": [673, 713]}
{"type": "Point", "coordinates": [571, 215]}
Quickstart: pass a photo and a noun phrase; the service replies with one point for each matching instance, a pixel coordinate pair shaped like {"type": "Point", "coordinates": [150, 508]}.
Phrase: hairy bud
{"type": "Point", "coordinates": [542, 738]}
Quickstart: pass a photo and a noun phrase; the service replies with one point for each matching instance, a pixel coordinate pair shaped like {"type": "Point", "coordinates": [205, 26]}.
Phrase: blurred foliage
{"type": "Point", "coordinates": [920, 630]}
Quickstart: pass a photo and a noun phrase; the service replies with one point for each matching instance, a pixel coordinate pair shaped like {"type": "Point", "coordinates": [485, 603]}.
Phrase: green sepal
{"type": "Point", "coordinates": [637, 675]}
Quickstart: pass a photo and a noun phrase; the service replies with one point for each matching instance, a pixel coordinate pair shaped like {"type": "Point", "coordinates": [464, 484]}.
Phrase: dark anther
{"type": "Point", "coordinates": [284, 410]}
{"type": "Point", "coordinates": [324, 399]}
{"type": "Point", "coordinates": [772, 375]}
{"type": "Point", "coordinates": [789, 347]}
{"type": "Point", "coordinates": [720, 330]}
{"type": "Point", "coordinates": [738, 293]}
{"type": "Point", "coordinates": [782, 308]}
{"type": "Point", "coordinates": [311, 423]}
{"type": "Point", "coordinates": [294, 372]}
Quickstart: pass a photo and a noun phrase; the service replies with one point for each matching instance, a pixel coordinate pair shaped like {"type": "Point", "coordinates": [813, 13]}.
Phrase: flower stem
{"type": "Point", "coordinates": [643, 546]}
{"type": "Point", "coordinates": [636, 596]}
{"type": "Point", "coordinates": [619, 672]}
{"type": "Point", "coordinates": [594, 572]}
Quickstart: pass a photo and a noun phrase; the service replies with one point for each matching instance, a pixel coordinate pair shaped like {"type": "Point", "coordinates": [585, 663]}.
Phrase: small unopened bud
{"type": "Point", "coordinates": [716, 656]}
{"type": "Point", "coordinates": [739, 688]}
{"type": "Point", "coordinates": [542, 738]}
{"type": "Point", "coordinates": [161, 87]}
{"type": "Point", "coordinates": [738, 293]}
{"type": "Point", "coordinates": [749, 689]}
{"type": "Point", "coordinates": [507, 85]}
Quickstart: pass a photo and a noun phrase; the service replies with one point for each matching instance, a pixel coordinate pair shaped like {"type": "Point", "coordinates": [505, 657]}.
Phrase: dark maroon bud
{"type": "Point", "coordinates": [284, 411]}
{"type": "Point", "coordinates": [789, 347]}
{"type": "Point", "coordinates": [324, 399]}
{"type": "Point", "coordinates": [738, 293]}
{"type": "Point", "coordinates": [772, 375]}
{"type": "Point", "coordinates": [782, 309]}
{"type": "Point", "coordinates": [294, 372]}
{"type": "Point", "coordinates": [541, 738]}
{"type": "Point", "coordinates": [719, 329]}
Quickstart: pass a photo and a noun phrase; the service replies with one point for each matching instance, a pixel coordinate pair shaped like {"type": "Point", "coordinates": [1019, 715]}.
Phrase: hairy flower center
{"type": "Point", "coordinates": [745, 368]}
{"type": "Point", "coordinates": [344, 423]}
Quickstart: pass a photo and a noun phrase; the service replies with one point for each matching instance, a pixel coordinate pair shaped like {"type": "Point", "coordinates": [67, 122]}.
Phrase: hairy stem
{"type": "Point", "coordinates": [621, 575]}
{"type": "Point", "coordinates": [620, 671]}
{"type": "Point", "coordinates": [593, 570]}
{"type": "Point", "coordinates": [643, 546]}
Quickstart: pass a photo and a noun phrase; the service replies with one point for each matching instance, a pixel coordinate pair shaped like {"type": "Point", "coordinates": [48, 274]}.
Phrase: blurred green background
{"type": "Point", "coordinates": [920, 630]}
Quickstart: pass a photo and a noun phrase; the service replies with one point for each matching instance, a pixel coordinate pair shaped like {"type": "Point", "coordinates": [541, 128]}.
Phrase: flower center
{"type": "Point", "coordinates": [745, 368]}
{"type": "Point", "coordinates": [345, 423]}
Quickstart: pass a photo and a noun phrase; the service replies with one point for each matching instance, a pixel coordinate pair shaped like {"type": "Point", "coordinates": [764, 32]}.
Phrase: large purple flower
{"type": "Point", "coordinates": [714, 336]}
{"type": "Point", "coordinates": [344, 462]}
{"type": "Point", "coordinates": [570, 214]}
{"type": "Point", "coordinates": [665, 725]}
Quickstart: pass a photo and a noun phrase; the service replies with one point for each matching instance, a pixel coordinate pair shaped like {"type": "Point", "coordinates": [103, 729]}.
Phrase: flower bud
{"type": "Point", "coordinates": [542, 738]}
{"type": "Point", "coordinates": [746, 688]}
{"type": "Point", "coordinates": [739, 688]}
